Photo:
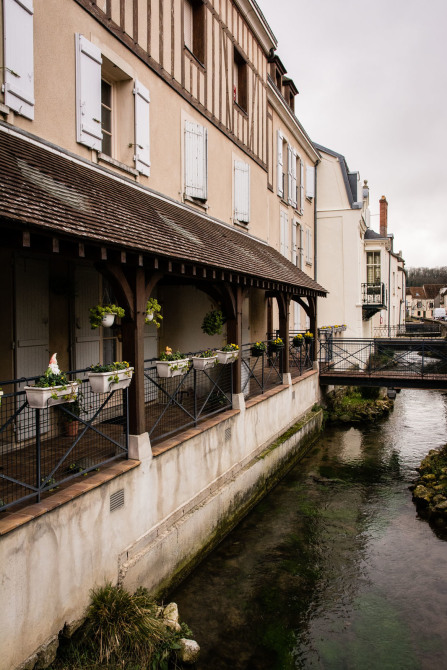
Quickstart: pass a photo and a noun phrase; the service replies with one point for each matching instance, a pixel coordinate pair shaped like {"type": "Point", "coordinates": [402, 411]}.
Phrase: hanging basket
{"type": "Point", "coordinates": [108, 320]}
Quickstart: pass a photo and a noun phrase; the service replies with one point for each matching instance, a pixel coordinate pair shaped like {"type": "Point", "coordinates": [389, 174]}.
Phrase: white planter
{"type": "Point", "coordinates": [101, 382]}
{"type": "Point", "coordinates": [108, 320]}
{"type": "Point", "coordinates": [40, 398]}
{"type": "Point", "coordinates": [203, 363]}
{"type": "Point", "coordinates": [172, 368]}
{"type": "Point", "coordinates": [149, 316]}
{"type": "Point", "coordinates": [226, 357]}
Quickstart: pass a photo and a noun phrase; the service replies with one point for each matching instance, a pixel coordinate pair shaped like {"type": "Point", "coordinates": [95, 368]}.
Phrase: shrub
{"type": "Point", "coordinates": [370, 392]}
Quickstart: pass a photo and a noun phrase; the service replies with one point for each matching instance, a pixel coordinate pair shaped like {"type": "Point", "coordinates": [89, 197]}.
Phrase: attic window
{"type": "Point", "coordinates": [194, 28]}
{"type": "Point", "coordinates": [240, 80]}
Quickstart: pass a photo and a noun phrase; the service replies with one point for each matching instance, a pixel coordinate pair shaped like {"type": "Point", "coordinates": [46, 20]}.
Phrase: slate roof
{"type": "Point", "coordinates": [349, 178]}
{"type": "Point", "coordinates": [45, 187]}
{"type": "Point", "coordinates": [372, 235]}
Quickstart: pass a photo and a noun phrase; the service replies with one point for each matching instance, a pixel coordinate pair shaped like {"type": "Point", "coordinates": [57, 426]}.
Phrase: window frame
{"type": "Point", "coordinates": [240, 80]}
{"type": "Point", "coordinates": [194, 43]}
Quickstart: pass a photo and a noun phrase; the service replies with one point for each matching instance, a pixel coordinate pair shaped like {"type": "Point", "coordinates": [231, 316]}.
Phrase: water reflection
{"type": "Point", "coordinates": [333, 569]}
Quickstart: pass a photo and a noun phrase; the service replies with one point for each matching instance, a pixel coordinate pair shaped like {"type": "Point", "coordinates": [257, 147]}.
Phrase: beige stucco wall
{"type": "Point", "coordinates": [173, 505]}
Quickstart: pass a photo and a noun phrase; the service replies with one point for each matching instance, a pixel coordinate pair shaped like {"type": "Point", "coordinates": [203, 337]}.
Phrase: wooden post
{"type": "Point", "coordinates": [284, 305]}
{"type": "Point", "coordinates": [234, 336]}
{"type": "Point", "coordinates": [133, 351]}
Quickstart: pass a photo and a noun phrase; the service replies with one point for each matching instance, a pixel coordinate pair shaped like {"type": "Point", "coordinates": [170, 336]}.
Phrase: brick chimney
{"type": "Point", "coordinates": [383, 216]}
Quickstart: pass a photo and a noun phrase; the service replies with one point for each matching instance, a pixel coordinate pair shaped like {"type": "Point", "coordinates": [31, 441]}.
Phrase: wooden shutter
{"type": "Point", "coordinates": [142, 145]}
{"type": "Point", "coordinates": [279, 187]}
{"type": "Point", "coordinates": [88, 93]}
{"type": "Point", "coordinates": [310, 181]}
{"type": "Point", "coordinates": [301, 259]}
{"type": "Point", "coordinates": [293, 193]}
{"type": "Point", "coordinates": [301, 205]}
{"type": "Point", "coordinates": [188, 25]}
{"type": "Point", "coordinates": [19, 56]}
{"type": "Point", "coordinates": [309, 253]}
{"type": "Point", "coordinates": [195, 160]}
{"type": "Point", "coordinates": [241, 191]}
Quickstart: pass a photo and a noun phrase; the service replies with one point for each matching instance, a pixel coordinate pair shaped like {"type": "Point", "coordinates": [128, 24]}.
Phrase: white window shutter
{"type": "Point", "coordinates": [289, 174]}
{"type": "Point", "coordinates": [196, 165]}
{"type": "Point", "coordinates": [310, 181]}
{"type": "Point", "coordinates": [301, 204]}
{"type": "Point", "coordinates": [142, 146]}
{"type": "Point", "coordinates": [279, 189]}
{"type": "Point", "coordinates": [241, 191]}
{"type": "Point", "coordinates": [294, 254]}
{"type": "Point", "coordinates": [293, 193]}
{"type": "Point", "coordinates": [301, 259]}
{"type": "Point", "coordinates": [284, 234]}
{"type": "Point", "coordinates": [88, 93]}
{"type": "Point", "coordinates": [19, 56]}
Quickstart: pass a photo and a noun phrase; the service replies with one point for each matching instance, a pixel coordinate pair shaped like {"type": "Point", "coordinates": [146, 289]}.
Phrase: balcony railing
{"type": "Point", "coordinates": [42, 449]}
{"type": "Point", "coordinates": [373, 295]}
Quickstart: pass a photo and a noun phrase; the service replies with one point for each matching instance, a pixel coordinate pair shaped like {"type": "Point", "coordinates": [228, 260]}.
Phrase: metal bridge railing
{"type": "Point", "coordinates": [42, 449]}
{"type": "Point", "coordinates": [409, 330]}
{"type": "Point", "coordinates": [368, 357]}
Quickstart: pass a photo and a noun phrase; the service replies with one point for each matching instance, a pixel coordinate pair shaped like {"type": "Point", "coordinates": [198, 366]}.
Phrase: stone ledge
{"type": "Point", "coordinates": [189, 433]}
{"type": "Point", "coordinates": [9, 521]}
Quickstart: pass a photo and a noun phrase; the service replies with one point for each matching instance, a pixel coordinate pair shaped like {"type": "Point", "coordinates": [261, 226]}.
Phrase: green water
{"type": "Point", "coordinates": [333, 569]}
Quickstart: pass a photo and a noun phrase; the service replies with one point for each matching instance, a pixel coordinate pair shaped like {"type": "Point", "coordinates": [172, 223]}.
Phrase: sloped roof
{"type": "Point", "coordinates": [416, 292]}
{"type": "Point", "coordinates": [432, 290]}
{"type": "Point", "coordinates": [44, 187]}
{"type": "Point", "coordinates": [349, 178]}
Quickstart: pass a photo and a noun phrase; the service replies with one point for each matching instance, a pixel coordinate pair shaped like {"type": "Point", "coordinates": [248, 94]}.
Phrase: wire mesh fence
{"type": "Point", "coordinates": [186, 396]}
{"type": "Point", "coordinates": [261, 370]}
{"type": "Point", "coordinates": [41, 449]}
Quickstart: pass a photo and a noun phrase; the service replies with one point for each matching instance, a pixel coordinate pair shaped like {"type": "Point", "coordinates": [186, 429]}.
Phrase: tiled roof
{"type": "Point", "coordinates": [47, 188]}
{"type": "Point", "coordinates": [416, 292]}
{"type": "Point", "coordinates": [432, 290]}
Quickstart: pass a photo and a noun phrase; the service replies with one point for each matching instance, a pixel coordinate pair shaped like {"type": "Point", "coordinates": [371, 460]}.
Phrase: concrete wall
{"type": "Point", "coordinates": [177, 505]}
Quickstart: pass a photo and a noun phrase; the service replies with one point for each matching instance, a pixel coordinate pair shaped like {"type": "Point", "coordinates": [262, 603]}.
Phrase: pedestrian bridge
{"type": "Point", "coordinates": [392, 362]}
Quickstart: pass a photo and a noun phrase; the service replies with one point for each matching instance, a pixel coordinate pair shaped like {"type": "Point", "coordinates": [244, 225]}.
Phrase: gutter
{"type": "Point", "coordinates": [315, 222]}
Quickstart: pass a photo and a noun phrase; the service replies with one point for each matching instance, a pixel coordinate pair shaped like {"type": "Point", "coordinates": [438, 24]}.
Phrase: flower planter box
{"type": "Point", "coordinates": [40, 398]}
{"type": "Point", "coordinates": [226, 357]}
{"type": "Point", "coordinates": [172, 368]}
{"type": "Point", "coordinates": [274, 348]}
{"type": "Point", "coordinates": [200, 363]}
{"type": "Point", "coordinates": [256, 353]}
{"type": "Point", "coordinates": [103, 382]}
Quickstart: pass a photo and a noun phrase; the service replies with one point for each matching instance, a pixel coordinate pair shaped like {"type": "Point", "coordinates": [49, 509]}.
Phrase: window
{"type": "Point", "coordinates": [194, 28]}
{"type": "Point", "coordinates": [282, 166]}
{"type": "Point", "coordinates": [310, 181]}
{"type": "Point", "coordinates": [309, 247]}
{"type": "Point", "coordinates": [297, 245]}
{"type": "Point", "coordinates": [240, 81]}
{"type": "Point", "coordinates": [241, 191]}
{"type": "Point", "coordinates": [106, 117]}
{"type": "Point", "coordinates": [373, 267]}
{"type": "Point", "coordinates": [102, 94]}
{"type": "Point", "coordinates": [196, 163]}
{"type": "Point", "coordinates": [19, 56]}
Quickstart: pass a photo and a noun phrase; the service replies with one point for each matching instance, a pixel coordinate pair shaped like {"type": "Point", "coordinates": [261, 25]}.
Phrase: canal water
{"type": "Point", "coordinates": [333, 569]}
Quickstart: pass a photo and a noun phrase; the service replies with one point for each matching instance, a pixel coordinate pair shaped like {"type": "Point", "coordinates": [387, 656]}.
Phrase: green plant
{"type": "Point", "coordinates": [208, 353]}
{"type": "Point", "coordinates": [169, 355]}
{"type": "Point", "coordinates": [50, 379]}
{"type": "Point", "coordinates": [230, 347]}
{"type": "Point", "coordinates": [308, 335]}
{"type": "Point", "coordinates": [213, 322]}
{"type": "Point", "coordinates": [98, 312]}
{"type": "Point", "coordinates": [277, 343]}
{"type": "Point", "coordinates": [76, 407]}
{"type": "Point", "coordinates": [115, 367]}
{"type": "Point", "coordinates": [298, 340]}
{"type": "Point", "coordinates": [258, 348]}
{"type": "Point", "coordinates": [153, 308]}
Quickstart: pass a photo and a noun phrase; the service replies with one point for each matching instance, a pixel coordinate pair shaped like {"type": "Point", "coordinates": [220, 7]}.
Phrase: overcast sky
{"type": "Point", "coordinates": [372, 78]}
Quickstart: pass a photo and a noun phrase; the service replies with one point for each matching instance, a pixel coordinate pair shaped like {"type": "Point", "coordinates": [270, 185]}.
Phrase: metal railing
{"type": "Point", "coordinates": [42, 449]}
{"type": "Point", "coordinates": [176, 403]}
{"type": "Point", "coordinates": [409, 330]}
{"type": "Point", "coordinates": [373, 294]}
{"type": "Point", "coordinates": [301, 359]}
{"type": "Point", "coordinates": [369, 357]}
{"type": "Point", "coordinates": [260, 371]}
